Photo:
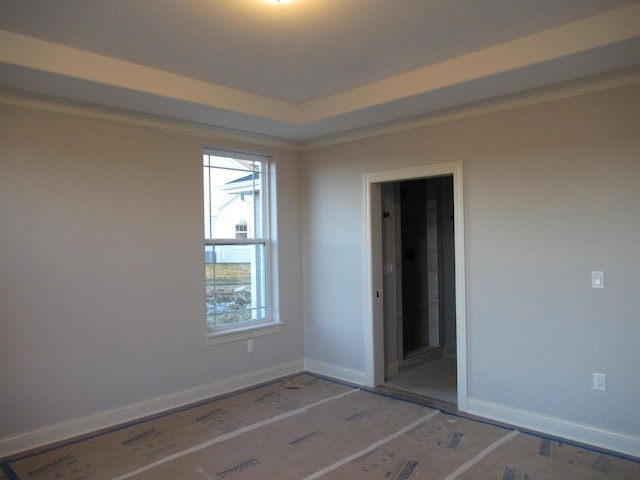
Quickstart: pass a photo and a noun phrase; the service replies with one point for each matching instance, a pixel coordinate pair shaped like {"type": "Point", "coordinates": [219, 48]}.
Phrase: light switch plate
{"type": "Point", "coordinates": [597, 279]}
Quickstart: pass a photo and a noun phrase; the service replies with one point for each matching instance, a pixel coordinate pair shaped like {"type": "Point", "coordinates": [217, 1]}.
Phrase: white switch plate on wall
{"type": "Point", "coordinates": [597, 279]}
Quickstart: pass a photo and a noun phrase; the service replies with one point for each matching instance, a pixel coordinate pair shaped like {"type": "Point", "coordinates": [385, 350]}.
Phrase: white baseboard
{"type": "Point", "coordinates": [109, 418]}
{"type": "Point", "coordinates": [335, 371]}
{"type": "Point", "coordinates": [557, 427]}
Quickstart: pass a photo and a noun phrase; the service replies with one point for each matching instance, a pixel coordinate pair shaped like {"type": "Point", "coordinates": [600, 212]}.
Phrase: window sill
{"type": "Point", "coordinates": [243, 333]}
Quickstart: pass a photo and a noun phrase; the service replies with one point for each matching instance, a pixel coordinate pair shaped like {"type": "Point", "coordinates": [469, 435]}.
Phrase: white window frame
{"type": "Point", "coordinates": [270, 324]}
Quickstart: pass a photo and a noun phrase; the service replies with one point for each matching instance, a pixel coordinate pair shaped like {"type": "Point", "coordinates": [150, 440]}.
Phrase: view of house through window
{"type": "Point", "coordinates": [235, 234]}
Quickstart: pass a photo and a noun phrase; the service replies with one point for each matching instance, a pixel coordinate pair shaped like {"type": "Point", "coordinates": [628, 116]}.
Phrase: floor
{"type": "Point", "coordinates": [436, 379]}
{"type": "Point", "coordinates": [312, 428]}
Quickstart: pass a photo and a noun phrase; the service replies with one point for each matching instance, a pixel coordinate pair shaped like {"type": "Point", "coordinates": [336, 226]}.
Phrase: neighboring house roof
{"type": "Point", "coordinates": [248, 183]}
{"type": "Point", "coordinates": [250, 177]}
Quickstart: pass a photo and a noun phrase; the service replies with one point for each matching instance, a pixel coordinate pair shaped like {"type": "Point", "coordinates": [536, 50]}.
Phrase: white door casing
{"type": "Point", "coordinates": [372, 261]}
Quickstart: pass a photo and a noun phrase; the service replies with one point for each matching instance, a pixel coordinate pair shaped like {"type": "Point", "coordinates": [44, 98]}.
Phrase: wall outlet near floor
{"type": "Point", "coordinates": [599, 382]}
{"type": "Point", "coordinates": [250, 345]}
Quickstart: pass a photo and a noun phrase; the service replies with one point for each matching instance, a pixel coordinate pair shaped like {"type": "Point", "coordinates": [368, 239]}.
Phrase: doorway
{"type": "Point", "coordinates": [377, 272]}
{"type": "Point", "coordinates": [419, 286]}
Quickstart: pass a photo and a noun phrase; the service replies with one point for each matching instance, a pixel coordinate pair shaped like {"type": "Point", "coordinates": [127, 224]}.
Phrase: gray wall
{"type": "Point", "coordinates": [552, 192]}
{"type": "Point", "coordinates": [101, 268]}
{"type": "Point", "coordinates": [101, 275]}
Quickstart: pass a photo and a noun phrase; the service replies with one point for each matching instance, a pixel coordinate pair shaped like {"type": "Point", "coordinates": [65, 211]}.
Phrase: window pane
{"type": "Point", "coordinates": [235, 284]}
{"type": "Point", "coordinates": [232, 189]}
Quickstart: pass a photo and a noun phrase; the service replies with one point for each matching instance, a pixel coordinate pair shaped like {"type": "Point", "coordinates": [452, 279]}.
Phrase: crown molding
{"type": "Point", "coordinates": [589, 34]}
{"type": "Point", "coordinates": [584, 86]}
{"type": "Point", "coordinates": [40, 55]}
{"type": "Point", "coordinates": [606, 30]}
{"type": "Point", "coordinates": [574, 88]}
{"type": "Point", "coordinates": [50, 104]}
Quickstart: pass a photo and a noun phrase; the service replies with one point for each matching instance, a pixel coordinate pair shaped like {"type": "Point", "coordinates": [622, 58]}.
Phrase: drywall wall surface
{"type": "Point", "coordinates": [102, 268]}
{"type": "Point", "coordinates": [332, 248]}
{"type": "Point", "coordinates": [552, 192]}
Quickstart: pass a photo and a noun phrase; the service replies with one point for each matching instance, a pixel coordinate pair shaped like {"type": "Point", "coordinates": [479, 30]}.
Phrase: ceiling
{"type": "Point", "coordinates": [309, 68]}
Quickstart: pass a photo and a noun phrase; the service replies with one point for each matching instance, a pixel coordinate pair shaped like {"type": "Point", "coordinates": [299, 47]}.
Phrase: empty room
{"type": "Point", "coordinates": [319, 239]}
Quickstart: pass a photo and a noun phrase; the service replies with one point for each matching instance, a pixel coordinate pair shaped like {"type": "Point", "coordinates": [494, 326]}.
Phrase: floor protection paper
{"type": "Point", "coordinates": [532, 457]}
{"type": "Point", "coordinates": [309, 428]}
{"type": "Point", "coordinates": [125, 449]}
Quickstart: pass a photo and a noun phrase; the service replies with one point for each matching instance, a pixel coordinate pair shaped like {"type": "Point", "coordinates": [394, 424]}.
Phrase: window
{"type": "Point", "coordinates": [241, 229]}
{"type": "Point", "coordinates": [236, 244]}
